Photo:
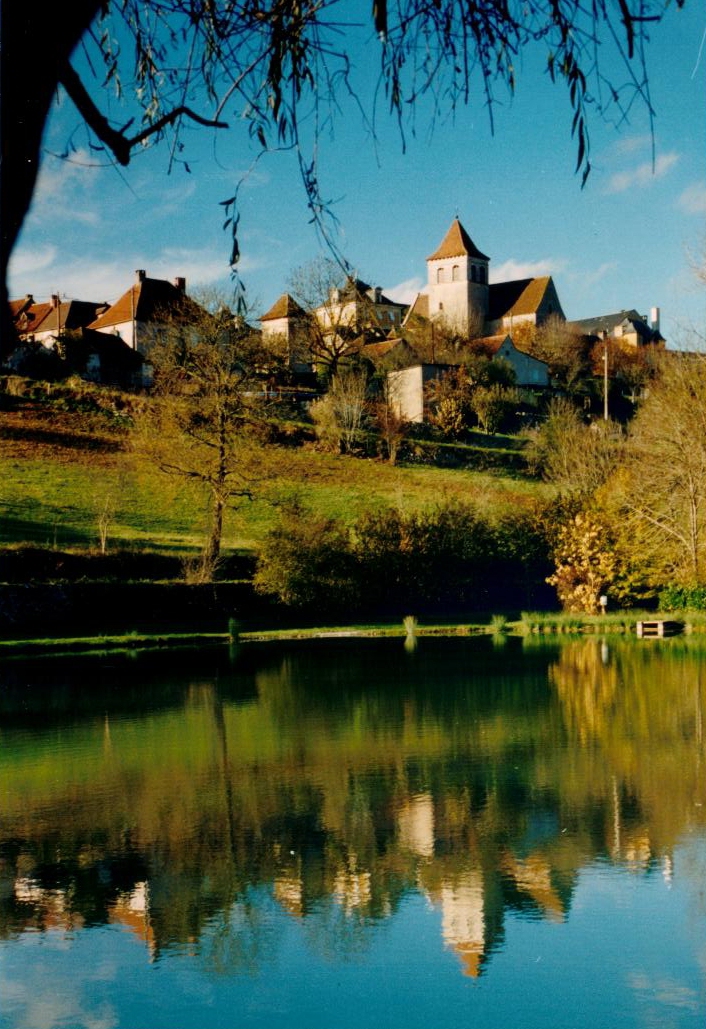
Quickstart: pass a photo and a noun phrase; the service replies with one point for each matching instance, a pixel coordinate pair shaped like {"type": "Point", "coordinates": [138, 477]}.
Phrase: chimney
{"type": "Point", "coordinates": [140, 273]}
{"type": "Point", "coordinates": [55, 300]}
{"type": "Point", "coordinates": [180, 284]}
{"type": "Point", "coordinates": [378, 294]}
{"type": "Point", "coordinates": [654, 318]}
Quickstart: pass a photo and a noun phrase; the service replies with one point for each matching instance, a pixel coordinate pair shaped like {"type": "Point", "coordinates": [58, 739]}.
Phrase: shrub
{"type": "Point", "coordinates": [683, 598]}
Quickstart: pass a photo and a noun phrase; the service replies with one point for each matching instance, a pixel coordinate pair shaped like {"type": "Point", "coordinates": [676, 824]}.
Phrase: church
{"type": "Point", "coordinates": [460, 296]}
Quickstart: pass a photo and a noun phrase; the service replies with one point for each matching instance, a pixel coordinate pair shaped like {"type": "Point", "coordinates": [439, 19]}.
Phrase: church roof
{"type": "Point", "coordinates": [419, 308]}
{"type": "Point", "coordinates": [457, 243]}
{"type": "Point", "coordinates": [284, 307]}
{"type": "Point", "coordinates": [520, 296]}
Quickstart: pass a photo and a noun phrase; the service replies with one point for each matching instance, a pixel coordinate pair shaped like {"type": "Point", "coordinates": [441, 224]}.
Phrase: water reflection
{"type": "Point", "coordinates": [331, 783]}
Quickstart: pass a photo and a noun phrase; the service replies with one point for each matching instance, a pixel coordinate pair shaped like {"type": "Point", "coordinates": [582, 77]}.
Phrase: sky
{"type": "Point", "coordinates": [628, 239]}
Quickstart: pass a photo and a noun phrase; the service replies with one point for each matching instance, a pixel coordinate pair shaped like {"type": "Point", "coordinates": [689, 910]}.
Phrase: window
{"type": "Point", "coordinates": [440, 275]}
{"type": "Point", "coordinates": [481, 274]}
{"type": "Point", "coordinates": [455, 273]}
{"type": "Point", "coordinates": [473, 273]}
{"type": "Point", "coordinates": [441, 307]}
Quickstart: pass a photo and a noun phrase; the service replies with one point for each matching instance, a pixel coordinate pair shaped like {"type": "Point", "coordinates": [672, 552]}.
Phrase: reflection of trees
{"type": "Point", "coordinates": [456, 772]}
{"type": "Point", "coordinates": [637, 712]}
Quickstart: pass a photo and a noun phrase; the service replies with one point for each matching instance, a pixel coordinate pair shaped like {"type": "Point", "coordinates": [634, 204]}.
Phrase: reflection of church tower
{"type": "Point", "coordinates": [458, 282]}
{"type": "Point", "coordinates": [463, 925]}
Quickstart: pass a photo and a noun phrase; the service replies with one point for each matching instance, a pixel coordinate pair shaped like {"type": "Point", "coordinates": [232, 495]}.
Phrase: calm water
{"type": "Point", "coordinates": [352, 834]}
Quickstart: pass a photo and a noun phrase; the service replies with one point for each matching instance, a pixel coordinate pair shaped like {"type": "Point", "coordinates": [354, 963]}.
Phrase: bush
{"type": "Point", "coordinates": [441, 558]}
{"type": "Point", "coordinates": [683, 598]}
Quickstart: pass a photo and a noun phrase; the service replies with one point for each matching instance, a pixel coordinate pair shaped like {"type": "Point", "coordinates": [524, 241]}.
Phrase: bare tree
{"type": "Point", "coordinates": [339, 415]}
{"type": "Point", "coordinates": [268, 62]}
{"type": "Point", "coordinates": [203, 421]}
{"type": "Point", "coordinates": [571, 454]}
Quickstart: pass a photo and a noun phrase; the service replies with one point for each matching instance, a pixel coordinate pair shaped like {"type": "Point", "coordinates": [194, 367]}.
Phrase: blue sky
{"type": "Point", "coordinates": [628, 239]}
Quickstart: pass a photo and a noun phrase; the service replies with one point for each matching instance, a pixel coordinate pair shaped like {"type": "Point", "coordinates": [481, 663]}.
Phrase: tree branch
{"type": "Point", "coordinates": [118, 142]}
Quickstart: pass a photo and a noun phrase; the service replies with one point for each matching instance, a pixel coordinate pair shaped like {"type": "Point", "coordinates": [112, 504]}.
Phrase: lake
{"type": "Point", "coordinates": [356, 833]}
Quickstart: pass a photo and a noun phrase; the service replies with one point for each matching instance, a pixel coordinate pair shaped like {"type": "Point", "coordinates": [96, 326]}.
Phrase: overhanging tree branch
{"type": "Point", "coordinates": [120, 144]}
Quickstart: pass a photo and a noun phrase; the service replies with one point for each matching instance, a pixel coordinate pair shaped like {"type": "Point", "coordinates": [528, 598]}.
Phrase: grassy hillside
{"type": "Point", "coordinates": [63, 463]}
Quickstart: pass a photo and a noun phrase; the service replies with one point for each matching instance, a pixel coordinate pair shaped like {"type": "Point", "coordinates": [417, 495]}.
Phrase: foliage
{"type": "Point", "coordinates": [683, 598]}
{"type": "Point", "coordinates": [306, 560]}
{"type": "Point", "coordinates": [390, 425]}
{"type": "Point", "coordinates": [494, 406]}
{"type": "Point", "coordinates": [660, 493]}
{"type": "Point", "coordinates": [442, 555]}
{"type": "Point", "coordinates": [575, 456]}
{"type": "Point", "coordinates": [585, 564]}
{"type": "Point", "coordinates": [478, 391]}
{"type": "Point", "coordinates": [567, 354]}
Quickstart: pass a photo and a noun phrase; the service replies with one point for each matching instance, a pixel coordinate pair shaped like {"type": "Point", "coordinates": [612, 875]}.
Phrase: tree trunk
{"type": "Point", "coordinates": [212, 551]}
{"type": "Point", "coordinates": [36, 41]}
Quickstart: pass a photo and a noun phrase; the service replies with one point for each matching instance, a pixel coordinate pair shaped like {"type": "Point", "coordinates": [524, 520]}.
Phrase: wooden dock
{"type": "Point", "coordinates": [658, 629]}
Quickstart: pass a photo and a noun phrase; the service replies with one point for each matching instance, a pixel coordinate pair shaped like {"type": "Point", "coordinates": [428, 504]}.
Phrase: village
{"type": "Point", "coordinates": [519, 324]}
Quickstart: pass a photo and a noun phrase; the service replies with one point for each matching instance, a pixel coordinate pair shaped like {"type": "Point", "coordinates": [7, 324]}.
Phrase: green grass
{"type": "Point", "coordinates": [51, 497]}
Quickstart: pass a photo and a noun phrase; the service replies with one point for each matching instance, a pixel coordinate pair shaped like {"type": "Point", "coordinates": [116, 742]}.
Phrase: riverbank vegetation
{"type": "Point", "coordinates": [103, 486]}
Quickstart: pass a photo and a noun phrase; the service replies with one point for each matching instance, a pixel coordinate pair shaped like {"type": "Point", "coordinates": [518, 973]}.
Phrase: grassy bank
{"type": "Point", "coordinates": [64, 471]}
{"type": "Point", "coordinates": [532, 625]}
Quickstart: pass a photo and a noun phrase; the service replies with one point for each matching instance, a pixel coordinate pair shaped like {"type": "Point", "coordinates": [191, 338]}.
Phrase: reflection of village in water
{"type": "Point", "coordinates": [183, 825]}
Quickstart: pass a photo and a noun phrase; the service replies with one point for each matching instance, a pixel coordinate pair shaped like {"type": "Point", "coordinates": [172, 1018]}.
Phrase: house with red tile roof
{"type": "Point", "coordinates": [47, 322]}
{"type": "Point", "coordinates": [144, 308]}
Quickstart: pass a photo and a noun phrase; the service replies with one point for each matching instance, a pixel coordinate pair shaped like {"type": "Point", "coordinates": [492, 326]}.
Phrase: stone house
{"type": "Point", "coordinates": [632, 330]}
{"type": "Point", "coordinates": [530, 372]}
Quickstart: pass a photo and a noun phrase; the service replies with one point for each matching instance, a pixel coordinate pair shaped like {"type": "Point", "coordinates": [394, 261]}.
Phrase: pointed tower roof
{"type": "Point", "coordinates": [284, 307]}
{"type": "Point", "coordinates": [457, 243]}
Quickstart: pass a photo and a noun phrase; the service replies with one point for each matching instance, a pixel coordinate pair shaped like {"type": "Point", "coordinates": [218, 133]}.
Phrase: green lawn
{"type": "Point", "coordinates": [55, 481]}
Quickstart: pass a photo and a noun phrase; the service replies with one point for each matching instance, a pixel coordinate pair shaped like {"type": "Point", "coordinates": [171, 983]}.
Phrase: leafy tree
{"type": "Point", "coordinates": [391, 426]}
{"type": "Point", "coordinates": [567, 354]}
{"type": "Point", "coordinates": [494, 405]}
{"type": "Point", "coordinates": [171, 62]}
{"type": "Point", "coordinates": [585, 564]}
{"type": "Point", "coordinates": [660, 493]}
{"type": "Point", "coordinates": [202, 423]}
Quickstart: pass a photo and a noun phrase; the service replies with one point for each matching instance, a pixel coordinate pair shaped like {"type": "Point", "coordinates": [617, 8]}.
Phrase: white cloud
{"type": "Point", "coordinates": [513, 269]}
{"type": "Point", "coordinates": [642, 175]}
{"type": "Point", "coordinates": [42, 273]}
{"type": "Point", "coordinates": [631, 144]}
{"type": "Point", "coordinates": [25, 262]}
{"type": "Point", "coordinates": [63, 187]}
{"type": "Point", "coordinates": [405, 292]}
{"type": "Point", "coordinates": [589, 279]}
{"type": "Point", "coordinates": [693, 199]}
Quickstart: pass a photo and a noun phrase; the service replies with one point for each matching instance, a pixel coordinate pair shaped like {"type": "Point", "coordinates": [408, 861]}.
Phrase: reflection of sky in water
{"type": "Point", "coordinates": [631, 953]}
